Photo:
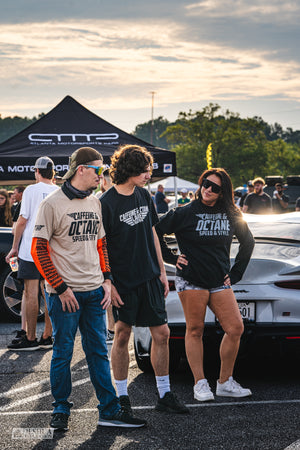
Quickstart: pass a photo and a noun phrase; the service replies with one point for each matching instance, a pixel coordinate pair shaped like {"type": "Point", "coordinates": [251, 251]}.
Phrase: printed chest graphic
{"type": "Point", "coordinates": [134, 216]}
{"type": "Point", "coordinates": [213, 224]}
{"type": "Point", "coordinates": [84, 226]}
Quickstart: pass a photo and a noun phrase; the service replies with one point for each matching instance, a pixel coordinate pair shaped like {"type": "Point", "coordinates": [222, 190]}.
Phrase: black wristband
{"type": "Point", "coordinates": [61, 288]}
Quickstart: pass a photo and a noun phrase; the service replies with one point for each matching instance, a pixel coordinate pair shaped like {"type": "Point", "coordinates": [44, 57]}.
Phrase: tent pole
{"type": "Point", "coordinates": [175, 190]}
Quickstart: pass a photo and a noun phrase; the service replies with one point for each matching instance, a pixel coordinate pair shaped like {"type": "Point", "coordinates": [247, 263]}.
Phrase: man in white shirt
{"type": "Point", "coordinates": [32, 197]}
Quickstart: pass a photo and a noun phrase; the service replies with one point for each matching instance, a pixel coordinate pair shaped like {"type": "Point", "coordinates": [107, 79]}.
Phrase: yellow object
{"type": "Point", "coordinates": [209, 157]}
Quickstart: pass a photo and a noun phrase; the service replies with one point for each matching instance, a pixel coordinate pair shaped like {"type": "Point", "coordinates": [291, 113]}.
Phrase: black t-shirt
{"type": "Point", "coordinates": [258, 204]}
{"type": "Point", "coordinates": [277, 204]}
{"type": "Point", "coordinates": [128, 222]}
{"type": "Point", "coordinates": [17, 212]}
{"type": "Point", "coordinates": [161, 205]}
{"type": "Point", "coordinates": [204, 235]}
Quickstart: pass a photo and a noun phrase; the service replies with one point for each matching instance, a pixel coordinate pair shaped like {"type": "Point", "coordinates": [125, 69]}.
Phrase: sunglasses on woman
{"type": "Point", "coordinates": [216, 189]}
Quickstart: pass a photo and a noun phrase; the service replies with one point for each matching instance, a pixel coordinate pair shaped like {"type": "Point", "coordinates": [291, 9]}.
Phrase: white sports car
{"type": "Point", "coordinates": [268, 294]}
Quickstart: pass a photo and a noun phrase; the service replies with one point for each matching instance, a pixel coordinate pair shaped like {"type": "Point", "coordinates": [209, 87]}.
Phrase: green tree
{"type": "Point", "coordinates": [146, 131]}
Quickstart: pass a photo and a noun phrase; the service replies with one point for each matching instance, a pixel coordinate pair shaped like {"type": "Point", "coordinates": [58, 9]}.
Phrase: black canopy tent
{"type": "Point", "coordinates": [59, 133]}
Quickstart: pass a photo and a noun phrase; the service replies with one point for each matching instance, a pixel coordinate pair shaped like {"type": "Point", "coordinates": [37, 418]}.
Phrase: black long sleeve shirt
{"type": "Point", "coordinates": [204, 235]}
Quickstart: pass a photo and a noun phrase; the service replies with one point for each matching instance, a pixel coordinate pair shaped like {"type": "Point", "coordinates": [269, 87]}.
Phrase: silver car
{"type": "Point", "coordinates": [268, 294]}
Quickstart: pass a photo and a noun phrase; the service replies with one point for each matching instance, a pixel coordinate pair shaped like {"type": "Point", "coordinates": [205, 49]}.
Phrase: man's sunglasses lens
{"type": "Point", "coordinates": [216, 189]}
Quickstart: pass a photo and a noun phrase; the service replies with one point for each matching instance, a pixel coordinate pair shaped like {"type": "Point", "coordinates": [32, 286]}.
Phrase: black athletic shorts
{"type": "Point", "coordinates": [27, 270]}
{"type": "Point", "coordinates": [144, 306]}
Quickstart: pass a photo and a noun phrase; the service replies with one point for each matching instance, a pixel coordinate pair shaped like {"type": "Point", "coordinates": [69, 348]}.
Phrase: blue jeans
{"type": "Point", "coordinates": [91, 319]}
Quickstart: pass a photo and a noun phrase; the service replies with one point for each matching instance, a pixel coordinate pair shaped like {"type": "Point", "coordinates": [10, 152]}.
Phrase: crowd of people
{"type": "Point", "coordinates": [101, 258]}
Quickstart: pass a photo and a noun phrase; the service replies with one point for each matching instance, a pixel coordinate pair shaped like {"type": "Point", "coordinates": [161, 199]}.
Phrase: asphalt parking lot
{"type": "Point", "coordinates": [267, 420]}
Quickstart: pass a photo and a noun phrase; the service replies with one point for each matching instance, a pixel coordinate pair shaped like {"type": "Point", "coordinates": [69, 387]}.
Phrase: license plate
{"type": "Point", "coordinates": [247, 310]}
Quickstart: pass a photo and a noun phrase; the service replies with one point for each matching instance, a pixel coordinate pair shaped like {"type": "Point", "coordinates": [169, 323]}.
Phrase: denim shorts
{"type": "Point", "coordinates": [183, 285]}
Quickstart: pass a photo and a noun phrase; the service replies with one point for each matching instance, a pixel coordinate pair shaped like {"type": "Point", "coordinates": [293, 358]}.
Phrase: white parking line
{"type": "Point", "coordinates": [149, 407]}
{"type": "Point", "coordinates": [38, 396]}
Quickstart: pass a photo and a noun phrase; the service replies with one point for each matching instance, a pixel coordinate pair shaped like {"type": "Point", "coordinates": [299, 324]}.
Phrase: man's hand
{"type": "Point", "coordinates": [13, 252]}
{"type": "Point", "coordinates": [106, 301]}
{"type": "Point", "coordinates": [163, 278]}
{"type": "Point", "coordinates": [68, 301]}
{"type": "Point", "coordinates": [115, 297]}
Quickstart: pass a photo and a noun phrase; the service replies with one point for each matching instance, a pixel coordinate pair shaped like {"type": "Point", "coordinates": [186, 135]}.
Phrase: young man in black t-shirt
{"type": "Point", "coordinates": [139, 277]}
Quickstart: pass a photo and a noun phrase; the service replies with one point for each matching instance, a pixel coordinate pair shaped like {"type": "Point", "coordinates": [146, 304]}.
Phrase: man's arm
{"type": "Point", "coordinates": [163, 275]}
{"type": "Point", "coordinates": [245, 208]}
{"type": "Point", "coordinates": [18, 232]}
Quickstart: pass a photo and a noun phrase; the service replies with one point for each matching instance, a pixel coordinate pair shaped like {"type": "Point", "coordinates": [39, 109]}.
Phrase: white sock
{"type": "Point", "coordinates": [121, 386]}
{"type": "Point", "coordinates": [163, 385]}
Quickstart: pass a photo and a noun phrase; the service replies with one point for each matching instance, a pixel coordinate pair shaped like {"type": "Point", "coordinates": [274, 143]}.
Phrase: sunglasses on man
{"type": "Point", "coordinates": [216, 189]}
{"type": "Point", "coordinates": [98, 169]}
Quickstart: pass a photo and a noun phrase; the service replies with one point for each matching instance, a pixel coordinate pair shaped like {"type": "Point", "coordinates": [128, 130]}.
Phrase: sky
{"type": "Point", "coordinates": [112, 55]}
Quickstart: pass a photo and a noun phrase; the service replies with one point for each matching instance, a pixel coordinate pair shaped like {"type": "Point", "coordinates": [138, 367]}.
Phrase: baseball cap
{"type": "Point", "coordinates": [250, 183]}
{"type": "Point", "coordinates": [184, 191]}
{"type": "Point", "coordinates": [42, 163]}
{"type": "Point", "coordinates": [82, 155]}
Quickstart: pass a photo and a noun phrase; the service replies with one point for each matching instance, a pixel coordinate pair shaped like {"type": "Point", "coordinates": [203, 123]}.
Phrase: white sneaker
{"type": "Point", "coordinates": [231, 389]}
{"type": "Point", "coordinates": [202, 391]}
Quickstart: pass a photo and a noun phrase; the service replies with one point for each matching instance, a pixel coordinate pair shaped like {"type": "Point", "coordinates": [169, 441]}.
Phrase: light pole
{"type": "Point", "coordinates": [152, 119]}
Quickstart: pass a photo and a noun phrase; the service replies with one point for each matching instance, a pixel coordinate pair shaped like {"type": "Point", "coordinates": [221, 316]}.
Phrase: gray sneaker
{"type": "Point", "coordinates": [232, 389]}
{"type": "Point", "coordinates": [123, 420]}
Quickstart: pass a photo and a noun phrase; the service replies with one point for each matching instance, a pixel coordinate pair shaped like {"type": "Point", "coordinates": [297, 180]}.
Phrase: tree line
{"type": "Point", "coordinates": [246, 148]}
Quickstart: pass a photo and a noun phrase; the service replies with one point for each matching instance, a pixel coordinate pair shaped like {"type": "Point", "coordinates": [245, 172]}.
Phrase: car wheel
{"type": "Point", "coordinates": [11, 290]}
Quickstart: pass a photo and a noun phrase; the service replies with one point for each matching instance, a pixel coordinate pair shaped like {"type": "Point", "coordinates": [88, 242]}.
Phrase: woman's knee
{"type": "Point", "coordinates": [235, 330]}
{"type": "Point", "coordinates": [195, 331]}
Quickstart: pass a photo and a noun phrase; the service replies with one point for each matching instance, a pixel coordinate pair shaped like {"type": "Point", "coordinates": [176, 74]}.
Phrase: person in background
{"type": "Point", "coordinates": [105, 184]}
{"type": "Point", "coordinates": [69, 249]}
{"type": "Point", "coordinates": [5, 209]}
{"type": "Point", "coordinates": [258, 202]}
{"type": "Point", "coordinates": [191, 195]}
{"type": "Point", "coordinates": [32, 197]}
{"type": "Point", "coordinates": [280, 201]}
{"type": "Point", "coordinates": [297, 207]}
{"type": "Point", "coordinates": [184, 197]}
{"type": "Point", "coordinates": [161, 201]}
{"type": "Point", "coordinates": [18, 194]}
{"type": "Point", "coordinates": [204, 230]}
{"type": "Point", "coordinates": [140, 283]}
{"type": "Point", "coordinates": [250, 189]}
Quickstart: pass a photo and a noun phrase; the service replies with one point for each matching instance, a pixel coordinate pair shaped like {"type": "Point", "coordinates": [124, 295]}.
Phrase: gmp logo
{"type": "Point", "coordinates": [72, 137]}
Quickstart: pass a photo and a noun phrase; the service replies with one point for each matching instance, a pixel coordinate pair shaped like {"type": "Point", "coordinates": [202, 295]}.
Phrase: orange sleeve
{"type": "Point", "coordinates": [40, 252]}
{"type": "Point", "coordinates": [103, 258]}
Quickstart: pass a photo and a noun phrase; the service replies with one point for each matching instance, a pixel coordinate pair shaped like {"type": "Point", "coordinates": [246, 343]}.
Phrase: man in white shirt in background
{"type": "Point", "coordinates": [32, 197]}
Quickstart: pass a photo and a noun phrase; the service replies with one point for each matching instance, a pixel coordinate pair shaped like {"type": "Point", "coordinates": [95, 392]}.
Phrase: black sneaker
{"type": "Point", "coordinates": [24, 345]}
{"type": "Point", "coordinates": [46, 343]}
{"type": "Point", "coordinates": [59, 422]}
{"type": "Point", "coordinates": [169, 403]}
{"type": "Point", "coordinates": [122, 419]}
{"type": "Point", "coordinates": [125, 404]}
{"type": "Point", "coordinates": [19, 335]}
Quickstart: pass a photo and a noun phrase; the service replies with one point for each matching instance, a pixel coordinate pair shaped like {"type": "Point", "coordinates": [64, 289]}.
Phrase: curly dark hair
{"type": "Point", "coordinates": [227, 194]}
{"type": "Point", "coordinates": [129, 161]}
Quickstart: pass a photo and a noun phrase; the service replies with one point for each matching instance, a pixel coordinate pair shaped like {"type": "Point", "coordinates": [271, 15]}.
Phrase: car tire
{"type": "Point", "coordinates": [11, 290]}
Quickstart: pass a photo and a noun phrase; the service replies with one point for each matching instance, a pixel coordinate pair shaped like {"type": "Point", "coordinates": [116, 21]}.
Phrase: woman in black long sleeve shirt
{"type": "Point", "coordinates": [204, 230]}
